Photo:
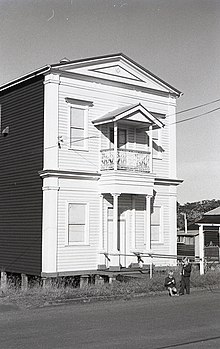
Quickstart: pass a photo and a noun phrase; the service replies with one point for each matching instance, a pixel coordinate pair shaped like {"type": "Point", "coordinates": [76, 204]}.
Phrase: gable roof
{"type": "Point", "coordinates": [102, 67]}
{"type": "Point", "coordinates": [214, 212]}
{"type": "Point", "coordinates": [211, 217]}
{"type": "Point", "coordinates": [130, 113]}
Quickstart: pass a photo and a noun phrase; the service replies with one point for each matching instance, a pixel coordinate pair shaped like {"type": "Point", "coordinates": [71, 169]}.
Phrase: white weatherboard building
{"type": "Point", "coordinates": [89, 168]}
{"type": "Point", "coordinates": [110, 184]}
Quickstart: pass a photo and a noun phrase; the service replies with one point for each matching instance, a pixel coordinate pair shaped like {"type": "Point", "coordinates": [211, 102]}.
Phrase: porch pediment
{"type": "Point", "coordinates": [136, 114]}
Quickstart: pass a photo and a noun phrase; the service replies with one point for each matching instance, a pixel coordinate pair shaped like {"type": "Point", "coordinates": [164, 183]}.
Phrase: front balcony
{"type": "Point", "coordinates": [126, 159]}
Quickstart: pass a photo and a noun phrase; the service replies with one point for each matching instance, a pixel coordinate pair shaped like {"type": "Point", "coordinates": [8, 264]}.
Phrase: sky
{"type": "Point", "coordinates": [177, 40]}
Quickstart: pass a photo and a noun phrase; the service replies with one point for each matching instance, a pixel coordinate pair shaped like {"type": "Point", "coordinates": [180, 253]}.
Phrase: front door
{"type": "Point", "coordinates": [122, 237]}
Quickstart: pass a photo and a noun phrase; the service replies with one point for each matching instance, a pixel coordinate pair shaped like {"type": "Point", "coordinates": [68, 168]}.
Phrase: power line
{"type": "Point", "coordinates": [193, 108]}
{"type": "Point", "coordinates": [196, 116]}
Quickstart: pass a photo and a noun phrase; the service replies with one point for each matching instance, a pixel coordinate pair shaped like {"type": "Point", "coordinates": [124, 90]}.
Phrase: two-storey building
{"type": "Point", "coordinates": [88, 167]}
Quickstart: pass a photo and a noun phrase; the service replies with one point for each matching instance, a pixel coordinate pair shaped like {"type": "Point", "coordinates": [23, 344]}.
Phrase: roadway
{"type": "Point", "coordinates": [157, 322]}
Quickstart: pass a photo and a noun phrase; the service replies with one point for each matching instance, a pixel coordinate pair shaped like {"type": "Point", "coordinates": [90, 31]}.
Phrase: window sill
{"type": "Point", "coordinates": [79, 149]}
{"type": "Point", "coordinates": [157, 158]}
{"type": "Point", "coordinates": [77, 244]}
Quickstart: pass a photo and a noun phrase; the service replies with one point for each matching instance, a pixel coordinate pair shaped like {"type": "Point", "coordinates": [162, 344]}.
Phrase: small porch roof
{"type": "Point", "coordinates": [135, 114]}
{"type": "Point", "coordinates": [211, 217]}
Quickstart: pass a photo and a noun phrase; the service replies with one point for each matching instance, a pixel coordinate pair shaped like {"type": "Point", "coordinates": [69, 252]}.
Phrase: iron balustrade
{"type": "Point", "coordinates": [127, 159]}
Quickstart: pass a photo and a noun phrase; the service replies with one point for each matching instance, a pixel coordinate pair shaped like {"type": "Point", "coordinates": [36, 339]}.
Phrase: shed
{"type": "Point", "coordinates": [209, 226]}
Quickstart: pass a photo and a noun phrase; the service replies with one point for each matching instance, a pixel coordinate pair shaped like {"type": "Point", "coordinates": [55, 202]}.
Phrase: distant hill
{"type": "Point", "coordinates": [194, 211]}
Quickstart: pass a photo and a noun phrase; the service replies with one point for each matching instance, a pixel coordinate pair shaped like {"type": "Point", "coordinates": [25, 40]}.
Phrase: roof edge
{"type": "Point", "coordinates": [48, 67]}
{"type": "Point", "coordinates": [25, 77]}
{"type": "Point", "coordinates": [125, 57]}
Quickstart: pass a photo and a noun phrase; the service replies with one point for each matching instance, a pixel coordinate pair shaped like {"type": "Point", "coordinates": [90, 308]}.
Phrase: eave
{"type": "Point", "coordinates": [99, 59]}
{"type": "Point", "coordinates": [167, 181]}
{"type": "Point", "coordinates": [26, 77]}
{"type": "Point", "coordinates": [115, 57]}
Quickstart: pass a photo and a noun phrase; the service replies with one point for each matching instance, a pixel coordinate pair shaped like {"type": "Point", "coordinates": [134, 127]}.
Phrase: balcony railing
{"type": "Point", "coordinates": [132, 160]}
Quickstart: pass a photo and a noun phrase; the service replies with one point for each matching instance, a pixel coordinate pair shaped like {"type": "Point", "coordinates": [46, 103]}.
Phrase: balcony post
{"type": "Point", "coordinates": [201, 249]}
{"type": "Point", "coordinates": [115, 145]}
{"type": "Point", "coordinates": [102, 260]}
{"type": "Point", "coordinates": [147, 230]}
{"type": "Point", "coordinates": [114, 263]}
{"type": "Point", "coordinates": [151, 147]}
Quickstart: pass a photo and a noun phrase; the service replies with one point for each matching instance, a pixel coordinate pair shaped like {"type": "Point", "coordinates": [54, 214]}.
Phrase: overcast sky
{"type": "Point", "coordinates": [178, 40]}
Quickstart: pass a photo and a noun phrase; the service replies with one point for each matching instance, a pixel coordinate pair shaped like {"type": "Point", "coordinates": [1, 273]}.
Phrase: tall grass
{"type": "Point", "coordinates": [61, 290]}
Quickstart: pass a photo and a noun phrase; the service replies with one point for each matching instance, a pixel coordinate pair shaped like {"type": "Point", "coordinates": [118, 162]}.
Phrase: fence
{"type": "Point", "coordinates": [140, 258]}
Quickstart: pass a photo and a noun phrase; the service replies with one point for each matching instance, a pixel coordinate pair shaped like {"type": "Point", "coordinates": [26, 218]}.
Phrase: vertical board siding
{"type": "Point", "coordinates": [21, 157]}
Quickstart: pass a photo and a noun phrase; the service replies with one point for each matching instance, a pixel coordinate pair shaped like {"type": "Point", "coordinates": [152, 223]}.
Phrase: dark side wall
{"type": "Point", "coordinates": [21, 157]}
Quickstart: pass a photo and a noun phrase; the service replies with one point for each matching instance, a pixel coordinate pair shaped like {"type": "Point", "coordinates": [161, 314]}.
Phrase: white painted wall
{"type": "Point", "coordinates": [105, 98]}
{"type": "Point", "coordinates": [78, 257]}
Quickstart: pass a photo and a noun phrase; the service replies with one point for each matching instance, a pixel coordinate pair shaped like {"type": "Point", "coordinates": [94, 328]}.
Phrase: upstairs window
{"type": "Point", "coordinates": [156, 224]}
{"type": "Point", "coordinates": [78, 122]}
{"type": "Point", "coordinates": [77, 224]}
{"type": "Point", "coordinates": [78, 127]}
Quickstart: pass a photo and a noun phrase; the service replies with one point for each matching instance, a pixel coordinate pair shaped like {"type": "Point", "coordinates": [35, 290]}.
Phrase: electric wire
{"type": "Point", "coordinates": [193, 108]}
{"type": "Point", "coordinates": [195, 116]}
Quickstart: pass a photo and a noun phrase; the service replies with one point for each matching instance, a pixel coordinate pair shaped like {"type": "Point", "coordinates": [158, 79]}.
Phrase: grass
{"type": "Point", "coordinates": [126, 288]}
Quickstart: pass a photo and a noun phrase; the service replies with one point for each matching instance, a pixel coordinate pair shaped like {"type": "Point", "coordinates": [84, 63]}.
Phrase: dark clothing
{"type": "Point", "coordinates": [186, 270]}
{"type": "Point", "coordinates": [185, 285]}
{"type": "Point", "coordinates": [185, 279]}
{"type": "Point", "coordinates": [170, 282]}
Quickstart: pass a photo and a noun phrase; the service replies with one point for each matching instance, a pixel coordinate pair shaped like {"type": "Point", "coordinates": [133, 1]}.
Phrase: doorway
{"type": "Point", "coordinates": [122, 239]}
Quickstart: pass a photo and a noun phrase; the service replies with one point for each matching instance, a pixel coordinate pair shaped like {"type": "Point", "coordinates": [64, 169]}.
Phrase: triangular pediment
{"type": "Point", "coordinates": [119, 69]}
{"type": "Point", "coordinates": [138, 116]}
{"type": "Point", "coordinates": [133, 114]}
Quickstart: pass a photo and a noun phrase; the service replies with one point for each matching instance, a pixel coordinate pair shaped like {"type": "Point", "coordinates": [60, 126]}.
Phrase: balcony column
{"type": "Point", "coordinates": [115, 145]}
{"type": "Point", "coordinates": [151, 148]}
{"type": "Point", "coordinates": [201, 249]}
{"type": "Point", "coordinates": [114, 263]}
{"type": "Point", "coordinates": [147, 226]}
{"type": "Point", "coordinates": [102, 260]}
{"type": "Point", "coordinates": [133, 231]}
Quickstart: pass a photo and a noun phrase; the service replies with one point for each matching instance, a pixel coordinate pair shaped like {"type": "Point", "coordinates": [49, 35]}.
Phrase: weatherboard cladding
{"type": "Point", "coordinates": [83, 257]}
{"type": "Point", "coordinates": [21, 158]}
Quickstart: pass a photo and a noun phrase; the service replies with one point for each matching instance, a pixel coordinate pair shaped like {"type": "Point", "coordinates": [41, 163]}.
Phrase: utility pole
{"type": "Point", "coordinates": [185, 222]}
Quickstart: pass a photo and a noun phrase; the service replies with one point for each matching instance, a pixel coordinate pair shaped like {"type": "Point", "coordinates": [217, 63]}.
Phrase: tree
{"type": "Point", "coordinates": [194, 211]}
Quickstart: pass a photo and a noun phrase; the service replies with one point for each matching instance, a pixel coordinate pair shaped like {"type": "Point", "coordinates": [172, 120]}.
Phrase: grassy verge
{"type": "Point", "coordinates": [127, 288]}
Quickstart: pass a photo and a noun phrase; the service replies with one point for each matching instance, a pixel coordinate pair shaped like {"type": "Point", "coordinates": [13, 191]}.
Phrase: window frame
{"type": "Point", "coordinates": [85, 109]}
{"type": "Point", "coordinates": [160, 225]}
{"type": "Point", "coordinates": [85, 242]}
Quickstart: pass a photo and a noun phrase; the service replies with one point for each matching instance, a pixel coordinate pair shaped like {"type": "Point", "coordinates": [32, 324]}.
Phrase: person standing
{"type": "Point", "coordinates": [185, 276]}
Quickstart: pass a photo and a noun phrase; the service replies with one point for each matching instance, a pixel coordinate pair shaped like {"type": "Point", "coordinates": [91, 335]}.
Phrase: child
{"type": "Point", "coordinates": [185, 276]}
{"type": "Point", "coordinates": [170, 284]}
